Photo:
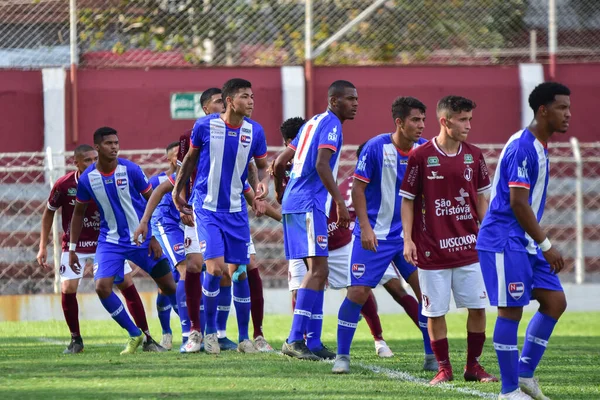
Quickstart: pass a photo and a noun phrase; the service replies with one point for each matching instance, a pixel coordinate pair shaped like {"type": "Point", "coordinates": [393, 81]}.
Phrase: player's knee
{"type": "Point", "coordinates": [554, 305]}
{"type": "Point", "coordinates": [103, 290]}
{"type": "Point", "coordinates": [70, 286]}
{"type": "Point", "coordinates": [320, 274]}
{"type": "Point", "coordinates": [358, 294]}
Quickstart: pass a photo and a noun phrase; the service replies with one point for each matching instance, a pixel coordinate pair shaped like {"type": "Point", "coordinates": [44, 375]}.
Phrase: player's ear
{"type": "Point", "coordinates": [332, 101]}
{"type": "Point", "coordinates": [399, 122]}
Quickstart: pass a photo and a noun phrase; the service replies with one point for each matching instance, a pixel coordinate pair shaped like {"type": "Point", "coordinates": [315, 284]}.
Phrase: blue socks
{"type": "Point", "coordinates": [505, 344]}
{"type": "Point", "coordinates": [241, 301]}
{"type": "Point", "coordinates": [536, 339]}
{"type": "Point", "coordinates": [347, 323]}
{"type": "Point", "coordinates": [115, 308]}
{"type": "Point", "coordinates": [210, 291]}
{"type": "Point", "coordinates": [424, 331]}
{"type": "Point", "coordinates": [163, 306]}
{"type": "Point", "coordinates": [314, 326]}
{"type": "Point", "coordinates": [183, 310]}
{"type": "Point", "coordinates": [305, 300]}
{"type": "Point", "coordinates": [223, 308]}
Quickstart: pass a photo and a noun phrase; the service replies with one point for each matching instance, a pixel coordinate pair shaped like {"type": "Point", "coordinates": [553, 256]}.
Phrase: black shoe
{"type": "Point", "coordinates": [299, 350]}
{"type": "Point", "coordinates": [150, 345]}
{"type": "Point", "coordinates": [324, 353]}
{"type": "Point", "coordinates": [76, 346]}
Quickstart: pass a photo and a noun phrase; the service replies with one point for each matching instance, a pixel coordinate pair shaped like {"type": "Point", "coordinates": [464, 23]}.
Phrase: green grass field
{"type": "Point", "coordinates": [32, 366]}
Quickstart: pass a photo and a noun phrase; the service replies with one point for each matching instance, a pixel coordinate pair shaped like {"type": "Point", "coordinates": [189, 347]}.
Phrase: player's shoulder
{"type": "Point", "coordinates": [521, 142]}
{"type": "Point", "coordinates": [376, 143]}
{"type": "Point", "coordinates": [127, 163]}
{"type": "Point", "coordinates": [326, 120]}
{"type": "Point", "coordinates": [255, 125]}
{"type": "Point", "coordinates": [205, 121]}
{"type": "Point", "coordinates": [85, 174]}
{"type": "Point", "coordinates": [67, 178]}
{"type": "Point", "coordinates": [427, 148]}
{"type": "Point", "coordinates": [469, 148]}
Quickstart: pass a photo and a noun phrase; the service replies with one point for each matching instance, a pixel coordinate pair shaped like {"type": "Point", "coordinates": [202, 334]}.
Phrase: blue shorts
{"type": "Point", "coordinates": [223, 234]}
{"type": "Point", "coordinates": [170, 237]}
{"type": "Point", "coordinates": [110, 259]}
{"type": "Point", "coordinates": [305, 235]}
{"type": "Point", "coordinates": [511, 276]}
{"type": "Point", "coordinates": [367, 267]}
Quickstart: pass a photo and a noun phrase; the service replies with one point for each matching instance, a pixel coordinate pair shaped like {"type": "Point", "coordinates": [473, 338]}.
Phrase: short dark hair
{"type": "Point", "coordinates": [454, 105]}
{"type": "Point", "coordinates": [545, 94]}
{"type": "Point", "coordinates": [360, 148]}
{"type": "Point", "coordinates": [402, 106]}
{"type": "Point", "coordinates": [290, 127]}
{"type": "Point", "coordinates": [232, 86]}
{"type": "Point", "coordinates": [82, 148]}
{"type": "Point", "coordinates": [171, 146]}
{"type": "Point", "coordinates": [101, 132]}
{"type": "Point", "coordinates": [337, 88]}
{"type": "Point", "coordinates": [208, 94]}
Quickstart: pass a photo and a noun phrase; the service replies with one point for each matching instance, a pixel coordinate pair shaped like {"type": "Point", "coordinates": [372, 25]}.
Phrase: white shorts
{"type": "Point", "coordinates": [465, 282]}
{"type": "Point", "coordinates": [338, 270]}
{"type": "Point", "coordinates": [67, 274]}
{"type": "Point", "coordinates": [192, 245]}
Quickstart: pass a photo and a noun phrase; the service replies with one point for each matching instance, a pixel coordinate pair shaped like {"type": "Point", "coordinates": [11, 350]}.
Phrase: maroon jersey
{"type": "Point", "coordinates": [62, 196]}
{"type": "Point", "coordinates": [445, 190]}
{"type": "Point", "coordinates": [184, 147]}
{"type": "Point", "coordinates": [339, 237]}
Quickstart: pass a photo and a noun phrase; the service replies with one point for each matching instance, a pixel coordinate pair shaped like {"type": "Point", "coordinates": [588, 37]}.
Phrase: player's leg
{"type": "Point", "coordinates": [182, 309]}
{"type": "Point", "coordinates": [68, 290]}
{"type": "Point", "coordinates": [223, 308]}
{"type": "Point", "coordinates": [507, 277]}
{"type": "Point", "coordinates": [257, 303]}
{"type": "Point", "coordinates": [436, 288]}
{"type": "Point", "coordinates": [312, 247]}
{"type": "Point", "coordinates": [296, 272]}
{"type": "Point", "coordinates": [369, 312]}
{"type": "Point", "coordinates": [470, 293]}
{"type": "Point", "coordinates": [548, 291]}
{"type": "Point", "coordinates": [109, 268]}
{"type": "Point", "coordinates": [365, 270]}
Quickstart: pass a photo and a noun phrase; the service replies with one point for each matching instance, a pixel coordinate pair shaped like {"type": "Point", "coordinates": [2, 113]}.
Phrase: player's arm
{"type": "Point", "coordinates": [253, 175]}
{"type": "Point", "coordinates": [262, 186]}
{"type": "Point", "coordinates": [153, 199]}
{"type": "Point", "coordinates": [359, 200]}
{"type": "Point", "coordinates": [47, 219]}
{"type": "Point", "coordinates": [407, 214]}
{"type": "Point", "coordinates": [268, 210]}
{"type": "Point", "coordinates": [75, 232]}
{"type": "Point", "coordinates": [185, 172]}
{"type": "Point", "coordinates": [279, 168]}
{"type": "Point", "coordinates": [482, 206]}
{"type": "Point", "coordinates": [519, 203]}
{"type": "Point", "coordinates": [324, 170]}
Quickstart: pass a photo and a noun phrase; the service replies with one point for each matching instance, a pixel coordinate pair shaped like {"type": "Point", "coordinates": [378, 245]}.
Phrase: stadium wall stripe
{"type": "Point", "coordinates": [293, 92]}
{"type": "Point", "coordinates": [530, 75]}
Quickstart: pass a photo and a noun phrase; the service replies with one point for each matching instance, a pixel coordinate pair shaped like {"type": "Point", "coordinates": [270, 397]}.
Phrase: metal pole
{"type": "Point", "coordinates": [552, 42]}
{"type": "Point", "coordinates": [532, 45]}
{"type": "Point", "coordinates": [579, 259]}
{"type": "Point", "coordinates": [308, 58]}
{"type": "Point", "coordinates": [73, 76]}
{"type": "Point", "coordinates": [56, 250]}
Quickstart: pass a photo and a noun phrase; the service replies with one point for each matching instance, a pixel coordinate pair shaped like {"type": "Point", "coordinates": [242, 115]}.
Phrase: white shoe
{"type": "Point", "coordinates": [515, 395]}
{"type": "Point", "coordinates": [167, 341]}
{"type": "Point", "coordinates": [531, 386]}
{"type": "Point", "coordinates": [211, 344]}
{"type": "Point", "coordinates": [246, 346]}
{"type": "Point", "coordinates": [341, 365]}
{"type": "Point", "coordinates": [382, 349]}
{"type": "Point", "coordinates": [262, 345]}
{"type": "Point", "coordinates": [193, 343]}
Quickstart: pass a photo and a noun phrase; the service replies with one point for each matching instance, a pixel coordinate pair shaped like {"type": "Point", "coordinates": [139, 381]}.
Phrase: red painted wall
{"type": "Point", "coordinates": [136, 102]}
{"type": "Point", "coordinates": [21, 111]}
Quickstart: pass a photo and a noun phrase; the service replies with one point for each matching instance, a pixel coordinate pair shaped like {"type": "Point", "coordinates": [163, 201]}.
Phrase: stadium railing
{"type": "Point", "coordinates": [571, 217]}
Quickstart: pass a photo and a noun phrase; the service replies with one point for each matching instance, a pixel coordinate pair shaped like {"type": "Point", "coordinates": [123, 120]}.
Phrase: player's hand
{"type": "Point", "coordinates": [271, 169]}
{"type": "Point", "coordinates": [154, 248]}
{"type": "Point", "coordinates": [139, 236]}
{"type": "Point", "coordinates": [368, 240]}
{"type": "Point", "coordinates": [74, 262]}
{"type": "Point", "coordinates": [42, 257]}
{"type": "Point", "coordinates": [343, 214]}
{"type": "Point", "coordinates": [259, 207]}
{"type": "Point", "coordinates": [554, 259]}
{"type": "Point", "coordinates": [180, 203]}
{"type": "Point", "coordinates": [186, 219]}
{"type": "Point", "coordinates": [410, 252]}
{"type": "Point", "coordinates": [262, 191]}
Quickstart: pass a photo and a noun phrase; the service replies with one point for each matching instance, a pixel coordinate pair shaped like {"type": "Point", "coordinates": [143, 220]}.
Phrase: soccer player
{"type": "Point", "coordinates": [518, 260]}
{"type": "Point", "coordinates": [305, 207]}
{"type": "Point", "coordinates": [62, 196]}
{"type": "Point", "coordinates": [163, 305]}
{"type": "Point", "coordinates": [221, 148]}
{"type": "Point", "coordinates": [120, 189]}
{"type": "Point", "coordinates": [376, 200]}
{"type": "Point", "coordinates": [448, 179]}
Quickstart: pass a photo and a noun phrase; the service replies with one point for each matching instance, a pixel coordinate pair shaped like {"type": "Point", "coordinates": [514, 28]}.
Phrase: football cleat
{"type": "Point", "coordinates": [167, 341]}
{"type": "Point", "coordinates": [227, 344]}
{"type": "Point", "coordinates": [443, 375]}
{"type": "Point", "coordinates": [152, 347]}
{"type": "Point", "coordinates": [247, 346]}
{"type": "Point", "coordinates": [133, 343]}
{"type": "Point", "coordinates": [76, 346]}
{"type": "Point", "coordinates": [430, 363]}
{"type": "Point", "coordinates": [531, 386]}
{"type": "Point", "coordinates": [262, 345]}
{"type": "Point", "coordinates": [382, 349]}
{"type": "Point", "coordinates": [514, 395]}
{"type": "Point", "coordinates": [299, 350]}
{"type": "Point", "coordinates": [341, 364]}
{"type": "Point", "coordinates": [324, 353]}
{"type": "Point", "coordinates": [211, 344]}
{"type": "Point", "coordinates": [193, 343]}
{"type": "Point", "coordinates": [476, 373]}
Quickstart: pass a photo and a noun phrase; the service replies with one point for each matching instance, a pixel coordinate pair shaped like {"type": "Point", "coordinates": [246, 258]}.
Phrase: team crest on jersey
{"type": "Point", "coordinates": [516, 290]}
{"type": "Point", "coordinates": [179, 248]}
{"type": "Point", "coordinates": [426, 302]}
{"type": "Point", "coordinates": [433, 161]}
{"type": "Point", "coordinates": [187, 242]}
{"type": "Point", "coordinates": [202, 245]}
{"type": "Point", "coordinates": [62, 269]}
{"type": "Point", "coordinates": [468, 159]}
{"type": "Point", "coordinates": [322, 241]}
{"type": "Point", "coordinates": [358, 270]}
{"type": "Point", "coordinates": [468, 174]}
{"type": "Point", "coordinates": [245, 140]}
{"type": "Point", "coordinates": [122, 182]}
{"type": "Point", "coordinates": [72, 191]}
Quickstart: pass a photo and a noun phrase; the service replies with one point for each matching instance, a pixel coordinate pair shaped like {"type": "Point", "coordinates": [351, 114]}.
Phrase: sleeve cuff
{"type": "Point", "coordinates": [361, 178]}
{"type": "Point", "coordinates": [328, 146]}
{"type": "Point", "coordinates": [519, 184]}
{"type": "Point", "coordinates": [484, 189]}
{"type": "Point", "coordinates": [82, 201]}
{"type": "Point", "coordinates": [407, 195]}
{"type": "Point", "coordinates": [291, 146]}
{"type": "Point", "coordinates": [51, 207]}
{"type": "Point", "coordinates": [261, 156]}
{"type": "Point", "coordinates": [147, 189]}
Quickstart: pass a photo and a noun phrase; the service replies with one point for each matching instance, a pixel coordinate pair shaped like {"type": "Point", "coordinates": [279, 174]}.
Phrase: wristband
{"type": "Point", "coordinates": [545, 245]}
{"type": "Point", "coordinates": [72, 246]}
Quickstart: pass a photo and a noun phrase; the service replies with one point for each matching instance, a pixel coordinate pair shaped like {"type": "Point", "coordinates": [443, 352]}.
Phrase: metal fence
{"type": "Point", "coordinates": [572, 217]}
{"type": "Point", "coordinates": [188, 33]}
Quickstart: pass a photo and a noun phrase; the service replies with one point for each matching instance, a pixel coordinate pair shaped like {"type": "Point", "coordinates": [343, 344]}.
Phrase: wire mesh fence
{"type": "Point", "coordinates": [189, 33]}
{"type": "Point", "coordinates": [24, 190]}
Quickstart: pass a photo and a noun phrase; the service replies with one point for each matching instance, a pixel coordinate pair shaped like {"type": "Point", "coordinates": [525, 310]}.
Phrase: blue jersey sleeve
{"type": "Point", "coordinates": [366, 166]}
{"type": "Point", "coordinates": [197, 138]}
{"type": "Point", "coordinates": [138, 178]}
{"type": "Point", "coordinates": [154, 181]}
{"type": "Point", "coordinates": [259, 143]}
{"type": "Point", "coordinates": [84, 194]}
{"type": "Point", "coordinates": [173, 178]}
{"type": "Point", "coordinates": [294, 144]}
{"type": "Point", "coordinates": [330, 135]}
{"type": "Point", "coordinates": [519, 168]}
{"type": "Point", "coordinates": [247, 187]}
